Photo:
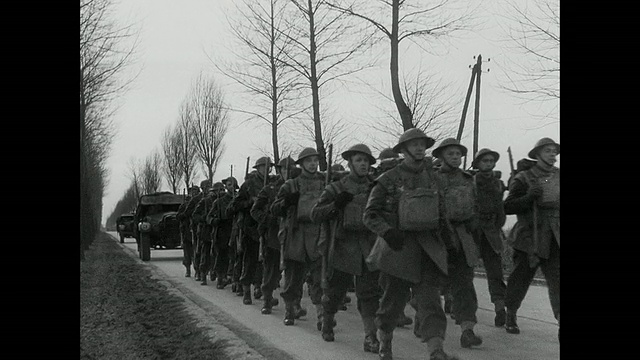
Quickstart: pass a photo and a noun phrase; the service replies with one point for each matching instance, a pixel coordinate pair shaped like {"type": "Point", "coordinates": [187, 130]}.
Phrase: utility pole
{"type": "Point", "coordinates": [476, 119]}
{"type": "Point", "coordinates": [476, 70]}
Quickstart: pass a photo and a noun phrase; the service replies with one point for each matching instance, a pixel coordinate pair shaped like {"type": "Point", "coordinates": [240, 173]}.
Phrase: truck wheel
{"type": "Point", "coordinates": [145, 247]}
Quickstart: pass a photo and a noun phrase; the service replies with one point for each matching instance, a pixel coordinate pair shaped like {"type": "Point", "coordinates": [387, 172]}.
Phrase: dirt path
{"type": "Point", "coordinates": [126, 313]}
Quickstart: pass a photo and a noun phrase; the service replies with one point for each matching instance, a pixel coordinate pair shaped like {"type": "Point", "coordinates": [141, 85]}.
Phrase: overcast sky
{"type": "Point", "coordinates": [177, 39]}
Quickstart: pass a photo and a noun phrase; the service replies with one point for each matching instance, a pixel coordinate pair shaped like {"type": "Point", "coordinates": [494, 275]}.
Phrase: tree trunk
{"type": "Point", "coordinates": [315, 92]}
{"type": "Point", "coordinates": [403, 109]}
{"type": "Point", "coordinates": [274, 95]}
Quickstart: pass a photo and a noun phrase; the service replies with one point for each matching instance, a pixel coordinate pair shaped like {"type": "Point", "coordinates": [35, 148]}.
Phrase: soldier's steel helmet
{"type": "Point", "coordinates": [481, 153]}
{"type": "Point", "coordinates": [542, 142]}
{"type": "Point", "coordinates": [205, 183]}
{"type": "Point", "coordinates": [263, 161]}
{"type": "Point", "coordinates": [388, 153]}
{"type": "Point", "coordinates": [359, 148]}
{"type": "Point", "coordinates": [337, 167]}
{"type": "Point", "coordinates": [306, 153]}
{"type": "Point", "coordinates": [413, 133]}
{"type": "Point", "coordinates": [235, 182]}
{"type": "Point", "coordinates": [195, 188]}
{"type": "Point", "coordinates": [283, 162]}
{"type": "Point", "coordinates": [448, 142]}
{"type": "Point", "coordinates": [218, 186]}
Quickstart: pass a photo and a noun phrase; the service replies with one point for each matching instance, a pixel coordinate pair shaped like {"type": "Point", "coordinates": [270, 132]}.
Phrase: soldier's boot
{"type": "Point", "coordinates": [239, 291]}
{"type": "Point", "coordinates": [204, 279]}
{"type": "Point", "coordinates": [371, 343]}
{"type": "Point", "coordinates": [289, 317]}
{"type": "Point", "coordinates": [188, 271]}
{"type": "Point", "coordinates": [501, 314]}
{"type": "Point", "coordinates": [257, 292]}
{"type": "Point", "coordinates": [511, 324]}
{"type": "Point", "coordinates": [298, 311]}
{"type": "Point", "coordinates": [222, 282]}
{"type": "Point", "coordinates": [212, 275]}
{"type": "Point", "coordinates": [274, 302]}
{"type": "Point", "coordinates": [267, 303]}
{"type": "Point", "coordinates": [436, 351]}
{"type": "Point", "coordinates": [469, 339]}
{"type": "Point", "coordinates": [197, 278]}
{"type": "Point", "coordinates": [327, 327]}
{"type": "Point", "coordinates": [385, 339]}
{"type": "Point", "coordinates": [247, 295]}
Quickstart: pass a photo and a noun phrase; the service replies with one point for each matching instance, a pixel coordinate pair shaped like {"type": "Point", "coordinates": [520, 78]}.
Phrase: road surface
{"type": "Point", "coordinates": [268, 335]}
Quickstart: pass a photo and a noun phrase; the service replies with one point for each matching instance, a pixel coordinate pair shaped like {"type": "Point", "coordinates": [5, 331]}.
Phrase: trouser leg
{"type": "Point", "coordinates": [431, 324]}
{"type": "Point", "coordinates": [551, 271]}
{"type": "Point", "coordinates": [187, 247]}
{"type": "Point", "coordinates": [294, 276]}
{"type": "Point", "coordinates": [205, 256]}
{"type": "Point", "coordinates": [249, 261]}
{"type": "Point", "coordinates": [392, 301]}
{"type": "Point", "coordinates": [314, 280]}
{"type": "Point", "coordinates": [465, 301]}
{"type": "Point", "coordinates": [519, 280]}
{"type": "Point", "coordinates": [493, 266]}
{"type": "Point", "coordinates": [270, 270]}
{"type": "Point", "coordinates": [368, 292]}
{"type": "Point", "coordinates": [222, 258]}
{"type": "Point", "coordinates": [335, 291]}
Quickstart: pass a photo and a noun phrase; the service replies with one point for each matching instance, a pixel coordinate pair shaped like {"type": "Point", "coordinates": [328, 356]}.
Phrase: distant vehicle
{"type": "Point", "coordinates": [124, 225]}
{"type": "Point", "coordinates": [156, 223]}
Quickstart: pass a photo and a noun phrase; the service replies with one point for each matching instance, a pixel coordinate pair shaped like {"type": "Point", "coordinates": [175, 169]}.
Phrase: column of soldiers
{"type": "Point", "coordinates": [406, 232]}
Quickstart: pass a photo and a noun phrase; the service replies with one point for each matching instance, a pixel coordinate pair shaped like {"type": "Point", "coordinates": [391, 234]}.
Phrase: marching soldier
{"type": "Point", "coordinates": [403, 210]}
{"type": "Point", "coordinates": [490, 191]}
{"type": "Point", "coordinates": [268, 226]}
{"type": "Point", "coordinates": [300, 235]}
{"type": "Point", "coordinates": [343, 203]}
{"type": "Point", "coordinates": [203, 251]}
{"type": "Point", "coordinates": [191, 207]}
{"type": "Point", "coordinates": [235, 251]}
{"type": "Point", "coordinates": [250, 240]}
{"type": "Point", "coordinates": [185, 231]}
{"type": "Point", "coordinates": [221, 224]}
{"type": "Point", "coordinates": [534, 197]}
{"type": "Point", "coordinates": [388, 160]}
{"type": "Point", "coordinates": [460, 225]}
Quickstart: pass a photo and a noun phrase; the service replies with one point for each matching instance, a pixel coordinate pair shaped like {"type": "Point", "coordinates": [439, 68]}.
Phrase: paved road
{"type": "Point", "coordinates": [267, 334]}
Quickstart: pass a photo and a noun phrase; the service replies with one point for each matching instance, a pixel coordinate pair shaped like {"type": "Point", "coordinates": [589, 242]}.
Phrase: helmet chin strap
{"type": "Point", "coordinates": [543, 161]}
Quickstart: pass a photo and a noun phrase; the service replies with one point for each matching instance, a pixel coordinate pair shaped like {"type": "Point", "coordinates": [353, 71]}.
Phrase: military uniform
{"type": "Point", "coordinates": [352, 244]}
{"type": "Point", "coordinates": [461, 223]}
{"type": "Point", "coordinates": [491, 218]}
{"type": "Point", "coordinates": [185, 235]}
{"type": "Point", "coordinates": [194, 231]}
{"type": "Point", "coordinates": [203, 250]}
{"type": "Point", "coordinates": [241, 205]}
{"type": "Point", "coordinates": [541, 209]}
{"type": "Point", "coordinates": [268, 226]}
{"type": "Point", "coordinates": [300, 238]}
{"type": "Point", "coordinates": [222, 225]}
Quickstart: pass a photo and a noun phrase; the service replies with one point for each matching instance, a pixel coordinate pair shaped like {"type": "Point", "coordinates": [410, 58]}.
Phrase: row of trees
{"type": "Point", "coordinates": [102, 60]}
{"type": "Point", "coordinates": [290, 55]}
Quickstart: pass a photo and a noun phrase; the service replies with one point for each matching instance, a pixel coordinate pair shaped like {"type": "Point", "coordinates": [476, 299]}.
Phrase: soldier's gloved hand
{"type": "Point", "coordinates": [342, 199]}
{"type": "Point", "coordinates": [535, 191]}
{"type": "Point", "coordinates": [291, 199]}
{"type": "Point", "coordinates": [394, 238]}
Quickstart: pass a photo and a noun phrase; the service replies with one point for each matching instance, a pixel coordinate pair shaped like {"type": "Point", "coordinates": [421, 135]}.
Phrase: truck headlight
{"type": "Point", "coordinates": [144, 226]}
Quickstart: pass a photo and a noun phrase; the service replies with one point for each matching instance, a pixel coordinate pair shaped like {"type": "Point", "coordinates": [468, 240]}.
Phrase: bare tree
{"type": "Point", "coordinates": [327, 43]}
{"type": "Point", "coordinates": [172, 166]}
{"type": "Point", "coordinates": [261, 39]}
{"type": "Point", "coordinates": [431, 100]}
{"type": "Point", "coordinates": [208, 113]}
{"type": "Point", "coordinates": [413, 22]}
{"type": "Point", "coordinates": [151, 173]}
{"type": "Point", "coordinates": [135, 174]}
{"type": "Point", "coordinates": [102, 59]}
{"type": "Point", "coordinates": [185, 139]}
{"type": "Point", "coordinates": [532, 30]}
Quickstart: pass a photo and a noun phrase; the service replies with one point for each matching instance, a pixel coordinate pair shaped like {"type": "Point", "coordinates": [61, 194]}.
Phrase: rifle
{"type": "Point", "coordinates": [286, 171]}
{"type": "Point", "coordinates": [241, 220]}
{"type": "Point", "coordinates": [513, 170]}
{"type": "Point", "coordinates": [262, 239]}
{"type": "Point", "coordinates": [327, 252]}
